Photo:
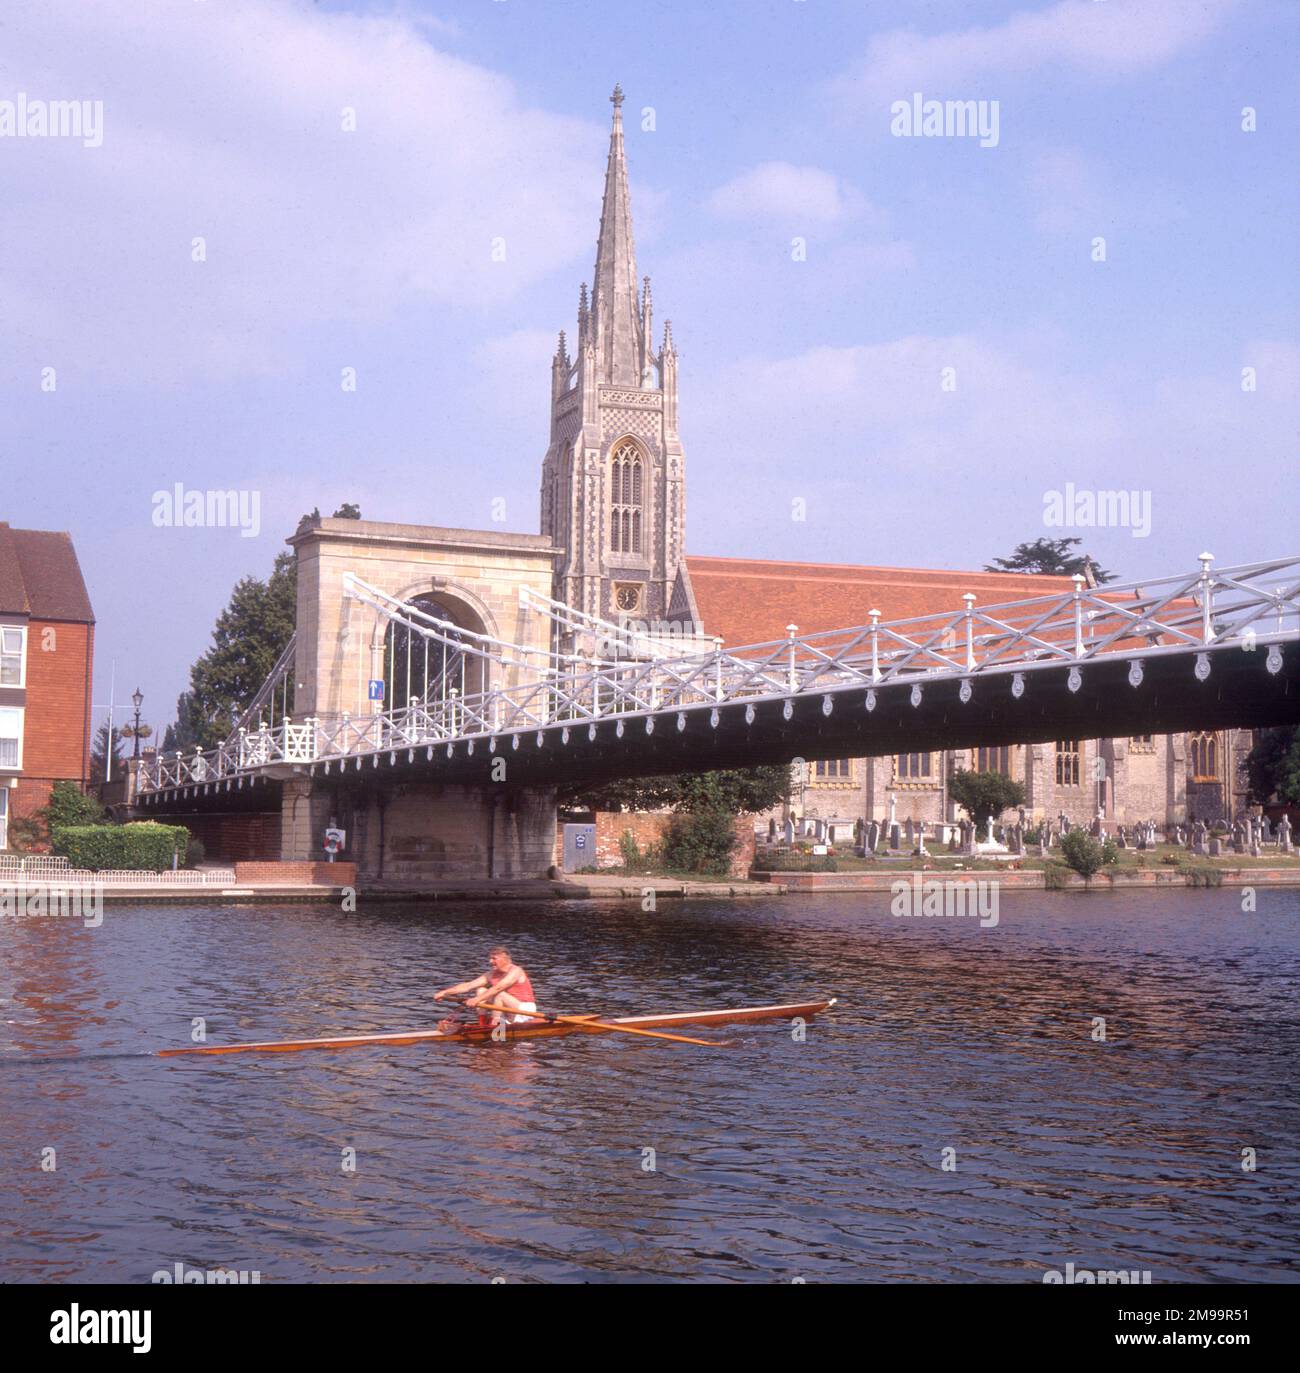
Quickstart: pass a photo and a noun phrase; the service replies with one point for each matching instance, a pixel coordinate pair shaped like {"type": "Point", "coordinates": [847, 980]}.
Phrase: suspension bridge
{"type": "Point", "coordinates": [1205, 649]}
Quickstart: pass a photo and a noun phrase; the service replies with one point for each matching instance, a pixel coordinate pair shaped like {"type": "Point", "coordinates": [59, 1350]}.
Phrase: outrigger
{"type": "Point", "coordinates": [652, 1026]}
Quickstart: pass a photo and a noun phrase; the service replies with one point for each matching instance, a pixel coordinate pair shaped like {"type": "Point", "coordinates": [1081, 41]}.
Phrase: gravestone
{"type": "Point", "coordinates": [894, 835]}
{"type": "Point", "coordinates": [1018, 840]}
{"type": "Point", "coordinates": [909, 834]}
{"type": "Point", "coordinates": [1200, 839]}
{"type": "Point", "coordinates": [1284, 834]}
{"type": "Point", "coordinates": [1216, 848]}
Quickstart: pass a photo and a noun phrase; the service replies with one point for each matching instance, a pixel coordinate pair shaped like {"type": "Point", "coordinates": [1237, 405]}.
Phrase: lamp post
{"type": "Point", "coordinates": [137, 700]}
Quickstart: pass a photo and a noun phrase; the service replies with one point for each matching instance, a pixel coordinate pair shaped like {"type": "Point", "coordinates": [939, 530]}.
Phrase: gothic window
{"type": "Point", "coordinates": [626, 486]}
{"type": "Point", "coordinates": [1205, 757]}
{"type": "Point", "coordinates": [832, 769]}
{"type": "Point", "coordinates": [993, 760]}
{"type": "Point", "coordinates": [1067, 762]}
{"type": "Point", "coordinates": [912, 767]}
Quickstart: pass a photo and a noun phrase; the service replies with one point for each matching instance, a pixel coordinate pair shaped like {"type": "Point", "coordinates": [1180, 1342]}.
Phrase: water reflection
{"type": "Point", "coordinates": [771, 1159]}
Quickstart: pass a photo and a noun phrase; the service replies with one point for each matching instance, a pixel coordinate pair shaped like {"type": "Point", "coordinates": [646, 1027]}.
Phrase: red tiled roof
{"type": "Point", "coordinates": [40, 576]}
{"type": "Point", "coordinates": [748, 600]}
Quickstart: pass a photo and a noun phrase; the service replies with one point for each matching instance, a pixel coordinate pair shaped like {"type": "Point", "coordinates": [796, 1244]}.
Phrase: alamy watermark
{"type": "Point", "coordinates": [917, 896]}
{"type": "Point", "coordinates": [25, 118]}
{"type": "Point", "coordinates": [186, 509]}
{"type": "Point", "coordinates": [921, 118]}
{"type": "Point", "coordinates": [82, 902]}
{"type": "Point", "coordinates": [1078, 509]}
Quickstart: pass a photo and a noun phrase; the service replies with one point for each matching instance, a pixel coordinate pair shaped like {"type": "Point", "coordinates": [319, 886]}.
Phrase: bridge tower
{"type": "Point", "coordinates": [613, 492]}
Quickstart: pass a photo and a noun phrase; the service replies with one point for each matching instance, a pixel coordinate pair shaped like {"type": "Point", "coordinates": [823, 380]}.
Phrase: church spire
{"type": "Point", "coordinates": [615, 313]}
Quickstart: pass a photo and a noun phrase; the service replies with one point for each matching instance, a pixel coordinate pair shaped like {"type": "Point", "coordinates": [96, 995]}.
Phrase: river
{"type": "Point", "coordinates": [772, 1159]}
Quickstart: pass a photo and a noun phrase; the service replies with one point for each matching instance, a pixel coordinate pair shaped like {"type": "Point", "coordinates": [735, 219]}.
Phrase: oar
{"type": "Point", "coordinates": [587, 1023]}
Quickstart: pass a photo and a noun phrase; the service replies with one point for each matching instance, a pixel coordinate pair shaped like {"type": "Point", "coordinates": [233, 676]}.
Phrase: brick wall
{"type": "Point", "coordinates": [56, 722]}
{"type": "Point", "coordinates": [298, 874]}
{"type": "Point", "coordinates": [234, 835]}
{"type": "Point", "coordinates": [647, 828]}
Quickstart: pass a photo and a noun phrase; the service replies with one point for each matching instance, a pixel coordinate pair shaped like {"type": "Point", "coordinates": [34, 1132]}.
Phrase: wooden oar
{"type": "Point", "coordinates": [587, 1023]}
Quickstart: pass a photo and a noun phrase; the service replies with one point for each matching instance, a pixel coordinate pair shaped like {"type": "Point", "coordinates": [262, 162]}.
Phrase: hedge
{"type": "Point", "coordinates": [142, 846]}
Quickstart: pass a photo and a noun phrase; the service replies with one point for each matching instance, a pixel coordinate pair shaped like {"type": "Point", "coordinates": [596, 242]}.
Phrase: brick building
{"type": "Point", "coordinates": [47, 632]}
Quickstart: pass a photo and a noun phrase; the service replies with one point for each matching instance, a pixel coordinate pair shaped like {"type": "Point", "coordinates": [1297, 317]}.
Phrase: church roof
{"type": "Point", "coordinates": [751, 600]}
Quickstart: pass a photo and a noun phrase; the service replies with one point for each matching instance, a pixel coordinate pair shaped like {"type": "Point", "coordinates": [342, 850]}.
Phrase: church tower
{"type": "Point", "coordinates": [614, 481]}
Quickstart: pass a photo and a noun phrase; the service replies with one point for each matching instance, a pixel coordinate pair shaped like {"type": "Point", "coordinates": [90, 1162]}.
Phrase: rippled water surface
{"type": "Point", "coordinates": [773, 1159]}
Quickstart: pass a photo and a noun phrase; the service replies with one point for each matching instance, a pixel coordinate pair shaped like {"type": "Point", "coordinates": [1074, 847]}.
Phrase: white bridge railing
{"type": "Point", "coordinates": [1255, 606]}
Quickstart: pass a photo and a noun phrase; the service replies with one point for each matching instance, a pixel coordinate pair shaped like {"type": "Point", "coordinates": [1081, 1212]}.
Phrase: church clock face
{"type": "Point", "coordinates": [627, 598]}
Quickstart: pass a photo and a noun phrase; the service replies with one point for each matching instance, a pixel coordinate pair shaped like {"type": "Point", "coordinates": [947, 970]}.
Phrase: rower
{"type": "Point", "coordinates": [506, 984]}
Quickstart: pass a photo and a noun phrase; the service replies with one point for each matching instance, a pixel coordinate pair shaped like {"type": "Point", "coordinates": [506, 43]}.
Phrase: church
{"type": "Point", "coordinates": [612, 547]}
{"type": "Point", "coordinates": [613, 498]}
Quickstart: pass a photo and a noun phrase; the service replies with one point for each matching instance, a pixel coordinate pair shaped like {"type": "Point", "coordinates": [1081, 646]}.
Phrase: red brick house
{"type": "Point", "coordinates": [47, 634]}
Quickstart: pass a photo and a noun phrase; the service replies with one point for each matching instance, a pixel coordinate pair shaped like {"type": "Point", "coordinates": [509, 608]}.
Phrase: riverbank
{"type": "Point", "coordinates": [36, 897]}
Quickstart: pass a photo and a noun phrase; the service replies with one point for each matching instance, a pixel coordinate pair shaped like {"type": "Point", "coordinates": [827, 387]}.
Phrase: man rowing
{"type": "Point", "coordinates": [505, 985]}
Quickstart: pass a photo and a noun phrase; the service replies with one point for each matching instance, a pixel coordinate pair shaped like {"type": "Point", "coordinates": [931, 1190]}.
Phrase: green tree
{"type": "Point", "coordinates": [1085, 853]}
{"type": "Point", "coordinates": [984, 795]}
{"type": "Point", "coordinates": [99, 753]}
{"type": "Point", "coordinates": [743, 791]}
{"type": "Point", "coordinates": [1050, 556]}
{"type": "Point", "coordinates": [249, 636]}
{"type": "Point", "coordinates": [1273, 766]}
{"type": "Point", "coordinates": [701, 834]}
{"type": "Point", "coordinates": [68, 806]}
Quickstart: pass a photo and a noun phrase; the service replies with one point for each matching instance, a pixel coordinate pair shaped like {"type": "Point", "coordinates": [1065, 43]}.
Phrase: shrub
{"type": "Point", "coordinates": [1085, 854]}
{"type": "Point", "coordinates": [143, 846]}
{"type": "Point", "coordinates": [700, 841]}
{"type": "Point", "coordinates": [67, 806]}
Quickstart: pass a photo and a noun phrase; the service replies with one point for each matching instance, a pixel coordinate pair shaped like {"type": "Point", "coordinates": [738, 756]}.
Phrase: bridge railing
{"type": "Point", "coordinates": [1255, 604]}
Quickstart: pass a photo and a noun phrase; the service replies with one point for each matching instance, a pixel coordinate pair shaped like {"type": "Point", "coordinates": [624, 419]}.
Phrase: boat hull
{"type": "Point", "coordinates": [478, 1035]}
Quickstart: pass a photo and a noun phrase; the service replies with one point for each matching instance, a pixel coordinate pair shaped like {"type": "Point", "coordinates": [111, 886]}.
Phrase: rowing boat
{"type": "Point", "coordinates": [471, 1034]}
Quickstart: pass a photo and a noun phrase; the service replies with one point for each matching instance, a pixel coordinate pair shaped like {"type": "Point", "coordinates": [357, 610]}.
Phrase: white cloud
{"type": "Point", "coordinates": [224, 122]}
{"type": "Point", "coordinates": [783, 192]}
{"type": "Point", "coordinates": [1079, 195]}
{"type": "Point", "coordinates": [886, 458]}
{"type": "Point", "coordinates": [1100, 39]}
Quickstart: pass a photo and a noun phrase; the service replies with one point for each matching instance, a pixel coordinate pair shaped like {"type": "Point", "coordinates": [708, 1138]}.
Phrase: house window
{"type": "Point", "coordinates": [625, 499]}
{"type": "Point", "coordinates": [1067, 762]}
{"type": "Point", "coordinates": [832, 769]}
{"type": "Point", "coordinates": [993, 760]}
{"type": "Point", "coordinates": [11, 738]}
{"type": "Point", "coordinates": [1205, 757]}
{"type": "Point", "coordinates": [4, 819]}
{"type": "Point", "coordinates": [1142, 743]}
{"type": "Point", "coordinates": [11, 655]}
{"type": "Point", "coordinates": [912, 767]}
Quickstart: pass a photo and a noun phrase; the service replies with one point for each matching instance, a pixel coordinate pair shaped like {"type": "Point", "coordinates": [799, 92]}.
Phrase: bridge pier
{"type": "Point", "coordinates": [424, 831]}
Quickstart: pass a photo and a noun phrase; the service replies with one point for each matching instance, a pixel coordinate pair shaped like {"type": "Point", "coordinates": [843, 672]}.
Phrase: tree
{"type": "Point", "coordinates": [99, 752]}
{"type": "Point", "coordinates": [743, 791]}
{"type": "Point", "coordinates": [701, 833]}
{"type": "Point", "coordinates": [67, 806]}
{"type": "Point", "coordinates": [984, 795]}
{"type": "Point", "coordinates": [1050, 556]}
{"type": "Point", "coordinates": [250, 635]}
{"type": "Point", "coordinates": [1273, 766]}
{"type": "Point", "coordinates": [1085, 853]}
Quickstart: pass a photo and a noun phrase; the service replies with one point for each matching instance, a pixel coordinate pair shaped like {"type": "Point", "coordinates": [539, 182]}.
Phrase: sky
{"type": "Point", "coordinates": [893, 348]}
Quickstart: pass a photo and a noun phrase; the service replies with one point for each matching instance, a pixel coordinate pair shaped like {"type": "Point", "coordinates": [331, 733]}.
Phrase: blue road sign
{"type": "Point", "coordinates": [376, 688]}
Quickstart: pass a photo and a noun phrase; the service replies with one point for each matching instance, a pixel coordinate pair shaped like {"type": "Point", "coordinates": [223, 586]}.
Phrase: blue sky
{"type": "Point", "coordinates": [814, 380]}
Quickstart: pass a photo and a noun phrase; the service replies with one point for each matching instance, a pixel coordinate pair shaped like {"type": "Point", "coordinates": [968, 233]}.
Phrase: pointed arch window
{"type": "Point", "coordinates": [626, 487]}
{"type": "Point", "coordinates": [1205, 757]}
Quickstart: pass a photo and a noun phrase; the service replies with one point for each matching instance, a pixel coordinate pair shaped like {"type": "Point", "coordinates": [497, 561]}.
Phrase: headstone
{"type": "Point", "coordinates": [787, 831]}
{"type": "Point", "coordinates": [1121, 837]}
{"type": "Point", "coordinates": [988, 837]}
{"type": "Point", "coordinates": [1018, 839]}
{"type": "Point", "coordinates": [1200, 839]}
{"type": "Point", "coordinates": [920, 841]}
{"type": "Point", "coordinates": [1266, 827]}
{"type": "Point", "coordinates": [1284, 834]}
{"type": "Point", "coordinates": [909, 834]}
{"type": "Point", "coordinates": [894, 835]}
{"type": "Point", "coordinates": [1238, 837]}
{"type": "Point", "coordinates": [872, 835]}
{"type": "Point", "coordinates": [1216, 848]}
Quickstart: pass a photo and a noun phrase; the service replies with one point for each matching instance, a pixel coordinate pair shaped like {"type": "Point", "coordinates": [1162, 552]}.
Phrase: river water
{"type": "Point", "coordinates": [773, 1159]}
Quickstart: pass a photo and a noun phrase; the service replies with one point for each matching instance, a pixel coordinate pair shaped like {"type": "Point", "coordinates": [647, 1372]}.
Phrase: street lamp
{"type": "Point", "coordinates": [137, 700]}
